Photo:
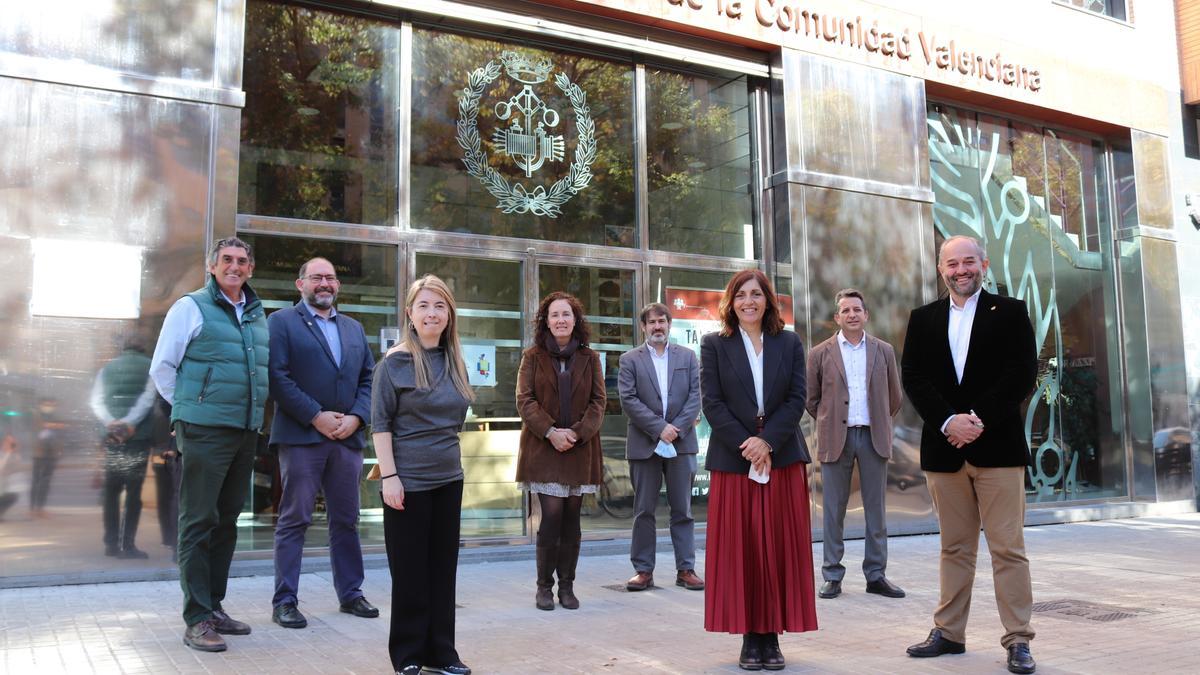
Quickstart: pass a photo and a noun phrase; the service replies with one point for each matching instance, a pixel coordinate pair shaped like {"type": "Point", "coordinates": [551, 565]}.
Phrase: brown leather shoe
{"type": "Point", "coordinates": [689, 580]}
{"type": "Point", "coordinates": [203, 637]}
{"type": "Point", "coordinates": [640, 581]}
{"type": "Point", "coordinates": [225, 625]}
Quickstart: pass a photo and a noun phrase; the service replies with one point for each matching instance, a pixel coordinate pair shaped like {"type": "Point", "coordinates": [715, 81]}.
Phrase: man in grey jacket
{"type": "Point", "coordinates": [659, 385]}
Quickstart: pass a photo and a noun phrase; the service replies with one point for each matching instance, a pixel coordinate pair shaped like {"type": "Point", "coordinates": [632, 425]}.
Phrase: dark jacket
{"type": "Point", "coordinates": [537, 403]}
{"type": "Point", "coordinates": [999, 373]}
{"type": "Point", "coordinates": [305, 380]}
{"type": "Point", "coordinates": [730, 405]}
{"type": "Point", "coordinates": [222, 380]}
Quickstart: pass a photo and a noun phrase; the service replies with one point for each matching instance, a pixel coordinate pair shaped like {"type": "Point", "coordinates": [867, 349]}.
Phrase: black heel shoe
{"type": "Point", "coordinates": [772, 656]}
{"type": "Point", "coordinates": [751, 656]}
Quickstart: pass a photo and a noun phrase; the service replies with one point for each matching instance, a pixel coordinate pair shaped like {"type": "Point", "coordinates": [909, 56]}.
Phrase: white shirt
{"type": "Point", "coordinates": [141, 407]}
{"type": "Point", "coordinates": [660, 370]}
{"type": "Point", "coordinates": [959, 335]}
{"type": "Point", "coordinates": [756, 368]}
{"type": "Point", "coordinates": [854, 359]}
{"type": "Point", "coordinates": [181, 325]}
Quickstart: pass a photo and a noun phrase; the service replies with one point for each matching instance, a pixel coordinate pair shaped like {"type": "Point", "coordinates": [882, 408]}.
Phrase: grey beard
{"type": "Point", "coordinates": [658, 339]}
{"type": "Point", "coordinates": [321, 303]}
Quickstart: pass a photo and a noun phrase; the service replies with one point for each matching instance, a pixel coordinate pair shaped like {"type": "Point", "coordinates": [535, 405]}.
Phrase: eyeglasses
{"type": "Point", "coordinates": [318, 278]}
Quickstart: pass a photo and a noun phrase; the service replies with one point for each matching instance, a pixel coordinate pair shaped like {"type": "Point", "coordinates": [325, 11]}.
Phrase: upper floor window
{"type": "Point", "coordinates": [1110, 8]}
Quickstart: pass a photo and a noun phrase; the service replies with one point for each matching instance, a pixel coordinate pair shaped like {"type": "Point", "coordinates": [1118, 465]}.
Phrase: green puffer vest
{"type": "Point", "coordinates": [124, 381]}
{"type": "Point", "coordinates": [222, 381]}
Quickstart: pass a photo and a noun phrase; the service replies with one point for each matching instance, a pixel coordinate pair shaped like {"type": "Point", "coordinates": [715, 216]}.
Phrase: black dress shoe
{"type": "Point", "coordinates": [225, 625]}
{"type": "Point", "coordinates": [288, 616]}
{"type": "Point", "coordinates": [360, 607]}
{"type": "Point", "coordinates": [1019, 658]}
{"type": "Point", "coordinates": [751, 656]}
{"type": "Point", "coordinates": [772, 656]}
{"type": "Point", "coordinates": [410, 669]}
{"type": "Point", "coordinates": [882, 586]}
{"type": "Point", "coordinates": [456, 668]}
{"type": "Point", "coordinates": [830, 589]}
{"type": "Point", "coordinates": [936, 645]}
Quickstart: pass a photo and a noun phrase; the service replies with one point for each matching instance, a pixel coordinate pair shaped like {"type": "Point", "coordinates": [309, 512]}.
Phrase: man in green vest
{"type": "Point", "coordinates": [123, 400]}
{"type": "Point", "coordinates": [211, 364]}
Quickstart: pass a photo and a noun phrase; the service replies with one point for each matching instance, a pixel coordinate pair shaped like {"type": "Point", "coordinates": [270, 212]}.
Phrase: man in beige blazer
{"type": "Point", "coordinates": [853, 393]}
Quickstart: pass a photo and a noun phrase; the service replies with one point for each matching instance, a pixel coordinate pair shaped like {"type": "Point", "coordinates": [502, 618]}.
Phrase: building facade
{"type": "Point", "coordinates": [626, 151]}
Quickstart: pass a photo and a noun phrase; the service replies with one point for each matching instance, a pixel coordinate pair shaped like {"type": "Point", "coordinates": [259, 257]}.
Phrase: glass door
{"type": "Point", "coordinates": [610, 307]}
{"type": "Point", "coordinates": [491, 329]}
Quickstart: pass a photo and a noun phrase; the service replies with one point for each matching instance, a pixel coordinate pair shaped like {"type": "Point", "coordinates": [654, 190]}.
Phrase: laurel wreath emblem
{"type": "Point", "coordinates": [516, 198]}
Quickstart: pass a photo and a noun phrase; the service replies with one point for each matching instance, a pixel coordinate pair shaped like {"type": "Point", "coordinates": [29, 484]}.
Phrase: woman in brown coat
{"type": "Point", "coordinates": [561, 399]}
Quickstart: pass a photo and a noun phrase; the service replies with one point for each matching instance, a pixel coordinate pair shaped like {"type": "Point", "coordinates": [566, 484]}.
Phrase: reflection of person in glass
{"type": "Point", "coordinates": [419, 399]}
{"type": "Point", "coordinates": [211, 364]}
{"type": "Point", "coordinates": [47, 449]}
{"type": "Point", "coordinates": [321, 383]}
{"type": "Point", "coordinates": [759, 553]}
{"type": "Point", "coordinates": [8, 461]}
{"type": "Point", "coordinates": [123, 399]}
{"type": "Point", "coordinates": [561, 399]}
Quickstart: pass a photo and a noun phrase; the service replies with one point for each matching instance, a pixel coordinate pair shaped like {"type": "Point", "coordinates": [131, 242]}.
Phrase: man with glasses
{"type": "Point", "coordinates": [211, 364]}
{"type": "Point", "coordinates": [320, 378]}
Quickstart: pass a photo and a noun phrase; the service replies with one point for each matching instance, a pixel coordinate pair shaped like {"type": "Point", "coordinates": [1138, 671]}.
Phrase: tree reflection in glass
{"type": "Point", "coordinates": [698, 144]}
{"type": "Point", "coordinates": [319, 128]}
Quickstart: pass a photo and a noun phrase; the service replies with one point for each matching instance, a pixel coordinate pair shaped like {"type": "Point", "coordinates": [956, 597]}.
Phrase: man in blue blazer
{"type": "Point", "coordinates": [320, 375]}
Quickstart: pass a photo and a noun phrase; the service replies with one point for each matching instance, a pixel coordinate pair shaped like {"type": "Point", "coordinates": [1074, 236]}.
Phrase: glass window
{"type": "Point", "coordinates": [1038, 199]}
{"type": "Point", "coordinates": [608, 304]}
{"type": "Point", "coordinates": [488, 295]}
{"type": "Point", "coordinates": [1111, 8]}
{"type": "Point", "coordinates": [699, 169]}
{"type": "Point", "coordinates": [368, 293]}
{"type": "Point", "coordinates": [513, 141]}
{"type": "Point", "coordinates": [319, 126]}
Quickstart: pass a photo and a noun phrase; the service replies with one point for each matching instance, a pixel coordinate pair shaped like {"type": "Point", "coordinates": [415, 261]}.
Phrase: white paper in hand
{"type": "Point", "coordinates": [759, 476]}
{"type": "Point", "coordinates": [665, 449]}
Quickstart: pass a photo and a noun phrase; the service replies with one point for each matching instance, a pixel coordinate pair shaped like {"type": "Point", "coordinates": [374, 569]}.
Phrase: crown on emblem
{"type": "Point", "coordinates": [525, 69]}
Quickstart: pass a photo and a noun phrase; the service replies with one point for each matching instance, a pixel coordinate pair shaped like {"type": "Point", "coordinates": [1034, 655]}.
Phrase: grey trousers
{"type": "Point", "coordinates": [647, 476]}
{"type": "Point", "coordinates": [835, 492]}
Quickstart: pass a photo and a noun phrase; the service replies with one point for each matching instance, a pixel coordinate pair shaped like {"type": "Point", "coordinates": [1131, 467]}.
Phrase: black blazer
{"type": "Point", "coordinates": [730, 406]}
{"type": "Point", "coordinates": [1000, 372]}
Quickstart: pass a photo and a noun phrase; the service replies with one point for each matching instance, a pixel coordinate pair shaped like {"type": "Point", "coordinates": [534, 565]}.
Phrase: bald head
{"type": "Point", "coordinates": [957, 240]}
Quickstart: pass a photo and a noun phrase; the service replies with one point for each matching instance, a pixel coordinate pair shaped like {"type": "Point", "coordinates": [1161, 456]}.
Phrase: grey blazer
{"type": "Point", "coordinates": [642, 402]}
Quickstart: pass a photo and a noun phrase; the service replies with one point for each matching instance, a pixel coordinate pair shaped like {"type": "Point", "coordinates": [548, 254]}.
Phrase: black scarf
{"type": "Point", "coordinates": [564, 358]}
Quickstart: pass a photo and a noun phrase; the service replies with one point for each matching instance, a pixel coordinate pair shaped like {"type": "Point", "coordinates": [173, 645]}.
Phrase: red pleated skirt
{"type": "Point", "coordinates": [758, 559]}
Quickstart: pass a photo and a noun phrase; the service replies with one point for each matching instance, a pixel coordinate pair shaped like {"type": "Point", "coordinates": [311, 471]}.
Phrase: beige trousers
{"type": "Point", "coordinates": [995, 498]}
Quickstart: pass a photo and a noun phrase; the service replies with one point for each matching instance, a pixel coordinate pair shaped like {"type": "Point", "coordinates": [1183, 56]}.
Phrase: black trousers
{"type": "Point", "coordinates": [422, 549]}
{"type": "Point", "coordinates": [124, 470]}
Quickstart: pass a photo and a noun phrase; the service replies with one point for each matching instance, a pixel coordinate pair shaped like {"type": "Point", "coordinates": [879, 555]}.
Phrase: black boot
{"type": "Point", "coordinates": [547, 556]}
{"type": "Point", "coordinates": [568, 557]}
{"type": "Point", "coordinates": [751, 656]}
{"type": "Point", "coordinates": [772, 656]}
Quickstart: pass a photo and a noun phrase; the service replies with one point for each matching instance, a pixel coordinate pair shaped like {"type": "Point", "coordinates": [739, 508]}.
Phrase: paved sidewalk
{"type": "Point", "coordinates": [1118, 596]}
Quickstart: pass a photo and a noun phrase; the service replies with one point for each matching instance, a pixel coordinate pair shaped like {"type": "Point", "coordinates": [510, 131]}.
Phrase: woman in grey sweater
{"type": "Point", "coordinates": [419, 401]}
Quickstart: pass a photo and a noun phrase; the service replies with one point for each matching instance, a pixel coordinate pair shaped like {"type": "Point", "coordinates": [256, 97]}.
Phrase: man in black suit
{"type": "Point", "coordinates": [969, 362]}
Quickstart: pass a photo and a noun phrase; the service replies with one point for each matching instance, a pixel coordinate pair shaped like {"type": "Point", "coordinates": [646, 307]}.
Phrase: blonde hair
{"type": "Point", "coordinates": [449, 339]}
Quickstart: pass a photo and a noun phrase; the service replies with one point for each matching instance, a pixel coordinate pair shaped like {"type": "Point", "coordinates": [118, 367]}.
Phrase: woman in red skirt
{"type": "Point", "coordinates": [759, 554]}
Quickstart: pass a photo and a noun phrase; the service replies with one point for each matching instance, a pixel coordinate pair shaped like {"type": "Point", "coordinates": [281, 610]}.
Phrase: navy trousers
{"type": "Point", "coordinates": [336, 470]}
